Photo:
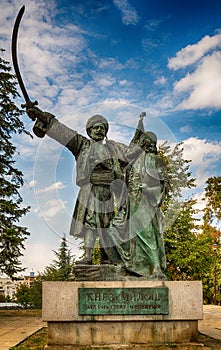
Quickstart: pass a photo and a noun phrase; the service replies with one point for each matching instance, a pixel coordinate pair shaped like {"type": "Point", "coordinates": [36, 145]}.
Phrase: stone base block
{"type": "Point", "coordinates": [120, 334]}
{"type": "Point", "coordinates": [69, 329]}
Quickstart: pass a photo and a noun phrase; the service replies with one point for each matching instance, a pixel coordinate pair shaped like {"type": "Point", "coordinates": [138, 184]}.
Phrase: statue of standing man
{"type": "Point", "coordinates": [132, 234]}
{"type": "Point", "coordinates": [99, 163]}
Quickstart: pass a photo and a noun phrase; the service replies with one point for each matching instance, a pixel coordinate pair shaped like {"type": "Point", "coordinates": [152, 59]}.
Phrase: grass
{"type": "Point", "coordinates": [20, 313]}
{"type": "Point", "coordinates": [36, 341]}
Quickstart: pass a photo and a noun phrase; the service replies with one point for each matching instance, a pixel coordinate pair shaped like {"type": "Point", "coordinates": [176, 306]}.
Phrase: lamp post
{"type": "Point", "coordinates": [215, 247]}
{"type": "Point", "coordinates": [215, 283]}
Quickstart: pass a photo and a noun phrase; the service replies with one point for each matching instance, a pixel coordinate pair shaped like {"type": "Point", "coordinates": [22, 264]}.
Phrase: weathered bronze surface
{"type": "Point", "coordinates": [99, 273]}
{"type": "Point", "coordinates": [121, 191]}
{"type": "Point", "coordinates": [123, 301]}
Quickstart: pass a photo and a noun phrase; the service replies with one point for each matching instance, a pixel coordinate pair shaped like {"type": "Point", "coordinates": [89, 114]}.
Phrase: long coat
{"type": "Point", "coordinates": [147, 186]}
{"type": "Point", "coordinates": [97, 166]}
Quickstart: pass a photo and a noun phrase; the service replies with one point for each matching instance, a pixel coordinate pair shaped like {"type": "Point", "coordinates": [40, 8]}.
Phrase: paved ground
{"type": "Point", "coordinates": [211, 323]}
{"type": "Point", "coordinates": [14, 329]}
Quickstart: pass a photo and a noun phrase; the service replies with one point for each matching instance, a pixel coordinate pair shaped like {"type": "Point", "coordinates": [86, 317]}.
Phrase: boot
{"type": "Point", "coordinates": [104, 257]}
{"type": "Point", "coordinates": [87, 260]}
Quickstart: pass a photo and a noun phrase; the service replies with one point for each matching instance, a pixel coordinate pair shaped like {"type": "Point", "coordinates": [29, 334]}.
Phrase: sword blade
{"type": "Point", "coordinates": [29, 103]}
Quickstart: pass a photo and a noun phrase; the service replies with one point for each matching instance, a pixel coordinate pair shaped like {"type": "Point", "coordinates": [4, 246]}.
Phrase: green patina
{"type": "Point", "coordinates": [122, 188]}
{"type": "Point", "coordinates": [123, 301]}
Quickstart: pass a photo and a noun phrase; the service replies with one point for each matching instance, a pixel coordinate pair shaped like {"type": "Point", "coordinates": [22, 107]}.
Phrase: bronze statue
{"type": "Point", "coordinates": [131, 234]}
{"type": "Point", "coordinates": [121, 188]}
{"type": "Point", "coordinates": [99, 162]}
{"type": "Point", "coordinates": [148, 185]}
{"type": "Point", "coordinates": [140, 219]}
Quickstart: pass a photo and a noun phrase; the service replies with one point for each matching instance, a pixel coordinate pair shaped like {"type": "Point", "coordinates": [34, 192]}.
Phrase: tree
{"type": "Point", "coordinates": [189, 254]}
{"type": "Point", "coordinates": [180, 178]}
{"type": "Point", "coordinates": [35, 294]}
{"type": "Point", "coordinates": [22, 296]}
{"type": "Point", "coordinates": [212, 282]}
{"type": "Point", "coordinates": [213, 199]}
{"type": "Point", "coordinates": [178, 171]}
{"type": "Point", "coordinates": [30, 297]}
{"type": "Point", "coordinates": [62, 268]}
{"type": "Point", "coordinates": [180, 241]}
{"type": "Point", "coordinates": [211, 228]}
{"type": "Point", "coordinates": [12, 236]}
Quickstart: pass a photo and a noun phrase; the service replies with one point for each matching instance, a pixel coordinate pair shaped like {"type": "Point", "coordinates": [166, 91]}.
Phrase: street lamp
{"type": "Point", "coordinates": [215, 247]}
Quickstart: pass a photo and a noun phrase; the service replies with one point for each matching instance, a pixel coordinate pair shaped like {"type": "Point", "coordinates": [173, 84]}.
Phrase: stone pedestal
{"type": "Point", "coordinates": [105, 322]}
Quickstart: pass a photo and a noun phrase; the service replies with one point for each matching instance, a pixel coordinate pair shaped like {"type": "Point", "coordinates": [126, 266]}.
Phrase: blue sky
{"type": "Point", "coordinates": [116, 58]}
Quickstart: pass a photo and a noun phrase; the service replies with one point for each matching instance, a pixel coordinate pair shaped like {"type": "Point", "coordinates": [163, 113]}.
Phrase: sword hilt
{"type": "Point", "coordinates": [29, 104]}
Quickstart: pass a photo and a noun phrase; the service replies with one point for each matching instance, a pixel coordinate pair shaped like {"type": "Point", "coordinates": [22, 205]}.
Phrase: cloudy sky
{"type": "Point", "coordinates": [116, 58]}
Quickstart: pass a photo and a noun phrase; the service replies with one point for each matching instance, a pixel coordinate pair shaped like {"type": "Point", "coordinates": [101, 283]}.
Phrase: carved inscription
{"type": "Point", "coordinates": [123, 301]}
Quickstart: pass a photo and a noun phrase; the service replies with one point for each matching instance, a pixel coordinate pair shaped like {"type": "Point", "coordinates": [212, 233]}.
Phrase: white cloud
{"type": "Point", "coordinates": [50, 209]}
{"type": "Point", "coordinates": [125, 83]}
{"type": "Point", "coordinates": [203, 85]}
{"type": "Point", "coordinates": [200, 202]}
{"type": "Point", "coordinates": [58, 67]}
{"type": "Point", "coordinates": [48, 53]}
{"type": "Point", "coordinates": [192, 53]}
{"type": "Point", "coordinates": [186, 128]}
{"type": "Point", "coordinates": [110, 63]}
{"type": "Point", "coordinates": [37, 256]}
{"type": "Point", "coordinates": [55, 186]}
{"type": "Point", "coordinates": [104, 80]}
{"type": "Point", "coordinates": [133, 63]}
{"type": "Point", "coordinates": [160, 81]}
{"type": "Point", "coordinates": [204, 156]}
{"type": "Point", "coordinates": [75, 98]}
{"type": "Point", "coordinates": [129, 14]}
{"type": "Point", "coordinates": [32, 183]}
{"type": "Point", "coordinates": [199, 88]}
{"type": "Point", "coordinates": [152, 24]}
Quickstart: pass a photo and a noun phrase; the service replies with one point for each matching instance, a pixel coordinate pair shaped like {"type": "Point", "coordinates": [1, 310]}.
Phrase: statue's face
{"type": "Point", "coordinates": [98, 132]}
{"type": "Point", "coordinates": [146, 143]}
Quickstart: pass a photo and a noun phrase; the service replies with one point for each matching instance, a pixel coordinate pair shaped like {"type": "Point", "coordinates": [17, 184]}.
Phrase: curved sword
{"type": "Point", "coordinates": [28, 102]}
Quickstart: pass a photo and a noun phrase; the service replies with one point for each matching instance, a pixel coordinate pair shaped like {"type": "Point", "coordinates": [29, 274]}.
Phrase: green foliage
{"type": "Point", "coordinates": [213, 235]}
{"type": "Point", "coordinates": [30, 298]}
{"type": "Point", "coordinates": [2, 298]}
{"type": "Point", "coordinates": [36, 341]}
{"type": "Point", "coordinates": [212, 217]}
{"type": "Point", "coordinates": [180, 240]}
{"type": "Point", "coordinates": [213, 199]}
{"type": "Point", "coordinates": [61, 268]}
{"type": "Point", "coordinates": [51, 274]}
{"type": "Point", "coordinates": [180, 178]}
{"type": "Point", "coordinates": [35, 294]}
{"type": "Point", "coordinates": [23, 295]}
{"type": "Point", "coordinates": [178, 171]}
{"type": "Point", "coordinates": [96, 258]}
{"type": "Point", "coordinates": [12, 235]}
{"type": "Point", "coordinates": [190, 254]}
{"type": "Point", "coordinates": [180, 223]}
